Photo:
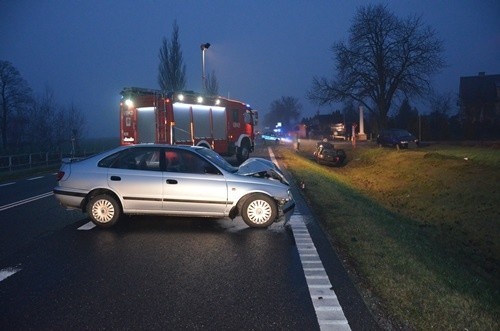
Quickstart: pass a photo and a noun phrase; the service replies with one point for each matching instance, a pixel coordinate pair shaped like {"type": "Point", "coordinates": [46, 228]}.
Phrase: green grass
{"type": "Point", "coordinates": [418, 228]}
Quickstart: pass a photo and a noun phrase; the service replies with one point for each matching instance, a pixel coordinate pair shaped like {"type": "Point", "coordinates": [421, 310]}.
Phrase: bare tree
{"type": "Point", "coordinates": [15, 99]}
{"type": "Point", "coordinates": [42, 125]}
{"type": "Point", "coordinates": [406, 117]}
{"type": "Point", "coordinates": [211, 84]}
{"type": "Point", "coordinates": [385, 57]}
{"type": "Point", "coordinates": [285, 110]}
{"type": "Point", "coordinates": [70, 126]}
{"type": "Point", "coordinates": [172, 71]}
{"type": "Point", "coordinates": [438, 121]}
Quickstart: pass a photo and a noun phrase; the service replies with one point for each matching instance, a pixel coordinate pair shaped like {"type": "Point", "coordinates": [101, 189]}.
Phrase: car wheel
{"type": "Point", "coordinates": [103, 210]}
{"type": "Point", "coordinates": [243, 153]}
{"type": "Point", "coordinates": [259, 211]}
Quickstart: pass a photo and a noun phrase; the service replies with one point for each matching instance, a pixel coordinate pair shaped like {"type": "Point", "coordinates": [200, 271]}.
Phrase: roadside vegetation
{"type": "Point", "coordinates": [418, 230]}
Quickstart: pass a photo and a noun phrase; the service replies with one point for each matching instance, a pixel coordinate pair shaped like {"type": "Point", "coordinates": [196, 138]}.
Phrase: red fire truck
{"type": "Point", "coordinates": [151, 116]}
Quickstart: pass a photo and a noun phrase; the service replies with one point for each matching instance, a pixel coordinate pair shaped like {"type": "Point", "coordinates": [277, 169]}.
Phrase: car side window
{"type": "Point", "coordinates": [172, 161]}
{"type": "Point", "coordinates": [188, 162]}
{"type": "Point", "coordinates": [138, 159]}
{"type": "Point", "coordinates": [150, 160]}
{"type": "Point", "coordinates": [108, 161]}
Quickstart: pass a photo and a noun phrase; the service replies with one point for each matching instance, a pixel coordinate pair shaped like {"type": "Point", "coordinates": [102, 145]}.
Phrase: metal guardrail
{"type": "Point", "coordinates": [10, 163]}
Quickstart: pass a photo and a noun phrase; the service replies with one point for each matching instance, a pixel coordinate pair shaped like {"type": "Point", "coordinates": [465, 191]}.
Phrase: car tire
{"type": "Point", "coordinates": [243, 153]}
{"type": "Point", "coordinates": [103, 210]}
{"type": "Point", "coordinates": [259, 211]}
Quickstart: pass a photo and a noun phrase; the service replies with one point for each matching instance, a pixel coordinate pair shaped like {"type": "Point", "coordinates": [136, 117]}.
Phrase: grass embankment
{"type": "Point", "coordinates": [419, 228]}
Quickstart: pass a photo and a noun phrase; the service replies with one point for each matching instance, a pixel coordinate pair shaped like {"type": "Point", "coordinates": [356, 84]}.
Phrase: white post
{"type": "Point", "coordinates": [361, 134]}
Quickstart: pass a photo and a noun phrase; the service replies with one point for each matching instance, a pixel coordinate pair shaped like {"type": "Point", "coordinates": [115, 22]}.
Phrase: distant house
{"type": "Point", "coordinates": [480, 106]}
{"type": "Point", "coordinates": [328, 126]}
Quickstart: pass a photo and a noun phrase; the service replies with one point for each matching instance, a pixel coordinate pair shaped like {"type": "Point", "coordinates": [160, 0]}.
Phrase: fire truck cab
{"type": "Point", "coordinates": [189, 118]}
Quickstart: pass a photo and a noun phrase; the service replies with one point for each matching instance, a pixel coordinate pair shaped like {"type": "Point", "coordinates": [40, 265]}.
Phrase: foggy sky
{"type": "Point", "coordinates": [87, 51]}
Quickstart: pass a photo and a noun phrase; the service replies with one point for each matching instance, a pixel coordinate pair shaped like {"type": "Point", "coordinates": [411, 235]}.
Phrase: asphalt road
{"type": "Point", "coordinates": [56, 272]}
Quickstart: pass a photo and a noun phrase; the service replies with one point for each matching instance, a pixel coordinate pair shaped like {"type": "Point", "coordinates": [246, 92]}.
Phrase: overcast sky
{"type": "Point", "coordinates": [87, 51]}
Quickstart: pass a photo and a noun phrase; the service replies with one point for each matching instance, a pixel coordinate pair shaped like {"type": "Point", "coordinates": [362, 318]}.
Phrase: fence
{"type": "Point", "coordinates": [11, 163]}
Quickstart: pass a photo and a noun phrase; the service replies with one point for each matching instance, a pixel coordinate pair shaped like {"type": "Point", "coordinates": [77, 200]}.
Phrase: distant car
{"type": "Point", "coordinates": [272, 137]}
{"type": "Point", "coordinates": [269, 136]}
{"type": "Point", "coordinates": [338, 130]}
{"type": "Point", "coordinates": [325, 153]}
{"type": "Point", "coordinates": [396, 138]}
{"type": "Point", "coordinates": [173, 180]}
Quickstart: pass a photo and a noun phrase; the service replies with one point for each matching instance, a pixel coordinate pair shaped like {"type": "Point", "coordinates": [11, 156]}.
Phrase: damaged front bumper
{"type": "Point", "coordinates": [286, 211]}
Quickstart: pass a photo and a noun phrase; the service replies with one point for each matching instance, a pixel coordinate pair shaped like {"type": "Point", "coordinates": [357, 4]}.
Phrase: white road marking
{"type": "Point", "coordinates": [22, 202]}
{"type": "Point", "coordinates": [7, 184]}
{"type": "Point", "coordinates": [34, 178]}
{"type": "Point", "coordinates": [7, 272]}
{"type": "Point", "coordinates": [328, 310]}
{"type": "Point", "coordinates": [87, 226]}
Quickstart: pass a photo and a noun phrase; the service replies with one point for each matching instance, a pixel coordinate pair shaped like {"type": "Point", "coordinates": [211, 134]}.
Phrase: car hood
{"type": "Point", "coordinates": [259, 167]}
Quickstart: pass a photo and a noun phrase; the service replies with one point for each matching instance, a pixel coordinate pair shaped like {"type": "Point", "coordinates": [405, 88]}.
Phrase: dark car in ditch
{"type": "Point", "coordinates": [326, 153]}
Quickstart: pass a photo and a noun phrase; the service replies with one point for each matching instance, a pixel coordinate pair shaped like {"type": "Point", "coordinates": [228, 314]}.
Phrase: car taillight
{"type": "Point", "coordinates": [60, 175]}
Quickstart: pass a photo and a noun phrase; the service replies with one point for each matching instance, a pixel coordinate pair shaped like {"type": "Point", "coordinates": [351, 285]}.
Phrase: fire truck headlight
{"type": "Point", "coordinates": [199, 99]}
{"type": "Point", "coordinates": [129, 103]}
{"type": "Point", "coordinates": [217, 102]}
{"type": "Point", "coordinates": [180, 97]}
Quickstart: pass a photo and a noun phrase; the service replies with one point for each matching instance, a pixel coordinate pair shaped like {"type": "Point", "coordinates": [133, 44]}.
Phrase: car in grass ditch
{"type": "Point", "coordinates": [326, 153]}
{"type": "Point", "coordinates": [397, 138]}
{"type": "Point", "coordinates": [153, 179]}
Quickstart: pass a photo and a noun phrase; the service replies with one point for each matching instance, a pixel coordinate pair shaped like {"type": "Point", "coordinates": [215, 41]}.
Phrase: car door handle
{"type": "Point", "coordinates": [116, 178]}
{"type": "Point", "coordinates": [171, 181]}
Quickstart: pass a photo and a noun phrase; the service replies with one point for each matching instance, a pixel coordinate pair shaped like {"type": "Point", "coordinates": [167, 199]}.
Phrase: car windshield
{"type": "Point", "coordinates": [217, 159]}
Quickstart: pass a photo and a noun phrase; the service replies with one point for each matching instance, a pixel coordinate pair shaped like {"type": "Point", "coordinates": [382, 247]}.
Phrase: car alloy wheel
{"type": "Point", "coordinates": [259, 210]}
{"type": "Point", "coordinates": [103, 210]}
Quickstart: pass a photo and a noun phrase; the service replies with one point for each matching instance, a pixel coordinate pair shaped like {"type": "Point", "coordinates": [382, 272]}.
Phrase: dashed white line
{"type": "Point", "coordinates": [87, 226]}
{"type": "Point", "coordinates": [7, 184]}
{"type": "Point", "coordinates": [34, 178]}
{"type": "Point", "coordinates": [328, 310]}
{"type": "Point", "coordinates": [7, 272]}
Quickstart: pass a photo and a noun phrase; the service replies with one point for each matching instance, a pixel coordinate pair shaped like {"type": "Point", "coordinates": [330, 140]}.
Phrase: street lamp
{"type": "Point", "coordinates": [203, 48]}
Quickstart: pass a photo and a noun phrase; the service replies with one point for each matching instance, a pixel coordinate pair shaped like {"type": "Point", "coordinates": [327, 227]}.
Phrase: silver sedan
{"type": "Point", "coordinates": [173, 180]}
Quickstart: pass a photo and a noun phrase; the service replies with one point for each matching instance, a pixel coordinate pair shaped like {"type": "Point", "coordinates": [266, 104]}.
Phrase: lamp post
{"type": "Point", "coordinates": [203, 47]}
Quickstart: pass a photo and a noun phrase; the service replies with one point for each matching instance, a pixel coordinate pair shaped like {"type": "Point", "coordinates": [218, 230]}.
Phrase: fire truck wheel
{"type": "Point", "coordinates": [259, 211]}
{"type": "Point", "coordinates": [243, 153]}
{"type": "Point", "coordinates": [103, 210]}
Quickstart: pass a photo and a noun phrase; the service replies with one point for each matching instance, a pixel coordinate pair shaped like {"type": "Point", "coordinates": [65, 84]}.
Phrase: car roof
{"type": "Point", "coordinates": [184, 147]}
{"type": "Point", "coordinates": [395, 130]}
